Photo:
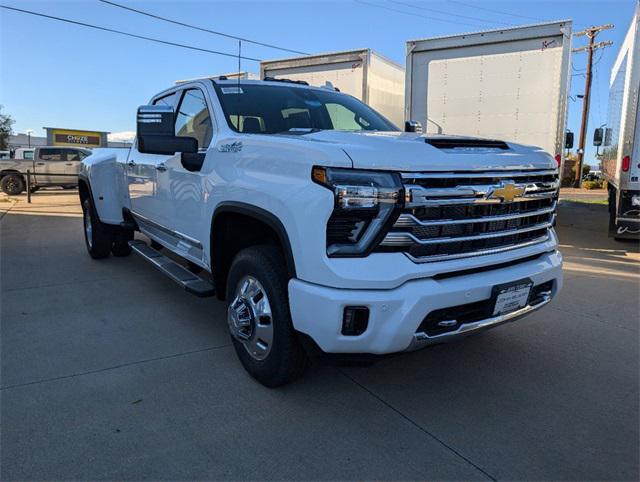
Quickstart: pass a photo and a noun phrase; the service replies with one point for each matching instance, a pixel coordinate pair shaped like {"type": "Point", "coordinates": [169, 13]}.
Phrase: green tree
{"type": "Point", "coordinates": [5, 130]}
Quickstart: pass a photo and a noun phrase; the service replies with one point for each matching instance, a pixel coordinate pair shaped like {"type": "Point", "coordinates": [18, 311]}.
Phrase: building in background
{"type": "Point", "coordinates": [59, 136]}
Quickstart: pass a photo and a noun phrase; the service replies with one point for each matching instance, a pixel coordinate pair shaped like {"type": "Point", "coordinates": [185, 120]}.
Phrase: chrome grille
{"type": "Point", "coordinates": [455, 215]}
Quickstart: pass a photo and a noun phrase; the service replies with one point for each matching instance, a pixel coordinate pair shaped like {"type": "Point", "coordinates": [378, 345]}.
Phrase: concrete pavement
{"type": "Point", "coordinates": [109, 371]}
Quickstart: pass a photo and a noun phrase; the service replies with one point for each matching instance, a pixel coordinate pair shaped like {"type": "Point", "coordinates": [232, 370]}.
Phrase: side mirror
{"type": "Point", "coordinates": [598, 134]}
{"type": "Point", "coordinates": [155, 132]}
{"type": "Point", "coordinates": [568, 140]}
{"type": "Point", "coordinates": [413, 126]}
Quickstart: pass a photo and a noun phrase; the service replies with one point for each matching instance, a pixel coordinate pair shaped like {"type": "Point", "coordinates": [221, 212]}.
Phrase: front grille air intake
{"type": "Point", "coordinates": [456, 215]}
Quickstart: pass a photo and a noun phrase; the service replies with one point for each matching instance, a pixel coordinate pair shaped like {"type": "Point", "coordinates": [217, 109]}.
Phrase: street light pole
{"type": "Point", "coordinates": [28, 132]}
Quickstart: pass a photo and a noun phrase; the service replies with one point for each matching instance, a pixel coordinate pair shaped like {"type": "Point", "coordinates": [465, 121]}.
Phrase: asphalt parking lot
{"type": "Point", "coordinates": [109, 371]}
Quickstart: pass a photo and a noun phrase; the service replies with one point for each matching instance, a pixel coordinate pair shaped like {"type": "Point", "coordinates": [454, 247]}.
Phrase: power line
{"type": "Point", "coordinates": [418, 15]}
{"type": "Point", "coordinates": [496, 11]}
{"type": "Point", "coordinates": [202, 29]}
{"type": "Point", "coordinates": [105, 29]}
{"type": "Point", "coordinates": [448, 13]}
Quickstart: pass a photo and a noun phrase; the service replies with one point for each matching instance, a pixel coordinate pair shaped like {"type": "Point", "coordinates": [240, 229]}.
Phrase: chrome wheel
{"type": "Point", "coordinates": [249, 317]}
{"type": "Point", "coordinates": [88, 228]}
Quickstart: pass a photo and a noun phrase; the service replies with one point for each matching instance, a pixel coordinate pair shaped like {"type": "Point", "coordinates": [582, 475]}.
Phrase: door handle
{"type": "Point", "coordinates": [161, 167]}
{"type": "Point", "coordinates": [131, 163]}
{"type": "Point", "coordinates": [39, 163]}
{"type": "Point", "coordinates": [69, 164]}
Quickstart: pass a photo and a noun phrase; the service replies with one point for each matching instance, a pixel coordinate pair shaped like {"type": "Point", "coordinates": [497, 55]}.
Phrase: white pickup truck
{"type": "Point", "coordinates": [323, 225]}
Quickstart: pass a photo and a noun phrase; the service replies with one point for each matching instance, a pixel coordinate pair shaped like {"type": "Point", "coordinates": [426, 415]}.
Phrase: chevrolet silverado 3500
{"type": "Point", "coordinates": [318, 221]}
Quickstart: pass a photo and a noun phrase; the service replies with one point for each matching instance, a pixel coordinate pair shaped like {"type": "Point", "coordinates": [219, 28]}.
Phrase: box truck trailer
{"type": "Point", "coordinates": [508, 84]}
{"type": "Point", "coordinates": [621, 143]}
{"type": "Point", "coordinates": [364, 74]}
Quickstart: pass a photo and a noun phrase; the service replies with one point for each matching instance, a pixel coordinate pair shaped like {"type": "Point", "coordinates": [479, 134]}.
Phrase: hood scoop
{"type": "Point", "coordinates": [465, 143]}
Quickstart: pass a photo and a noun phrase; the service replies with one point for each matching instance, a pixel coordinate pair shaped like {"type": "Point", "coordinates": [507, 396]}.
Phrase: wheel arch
{"type": "Point", "coordinates": [231, 218]}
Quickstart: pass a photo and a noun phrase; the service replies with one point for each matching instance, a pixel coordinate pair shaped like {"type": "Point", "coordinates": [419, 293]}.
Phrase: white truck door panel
{"type": "Point", "coordinates": [142, 177]}
{"type": "Point", "coordinates": [181, 193]}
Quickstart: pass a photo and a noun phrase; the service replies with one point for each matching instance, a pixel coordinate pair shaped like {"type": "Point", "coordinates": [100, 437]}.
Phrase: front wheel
{"type": "Point", "coordinates": [259, 319]}
{"type": "Point", "coordinates": [12, 184]}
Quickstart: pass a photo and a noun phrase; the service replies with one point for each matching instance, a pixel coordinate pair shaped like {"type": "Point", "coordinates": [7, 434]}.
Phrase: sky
{"type": "Point", "coordinates": [62, 75]}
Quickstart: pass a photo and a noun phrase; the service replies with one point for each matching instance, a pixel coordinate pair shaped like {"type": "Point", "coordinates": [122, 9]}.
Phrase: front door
{"type": "Point", "coordinates": [181, 192]}
{"type": "Point", "coordinates": [142, 180]}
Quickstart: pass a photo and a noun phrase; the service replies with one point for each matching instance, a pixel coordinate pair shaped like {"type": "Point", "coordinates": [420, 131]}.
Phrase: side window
{"type": "Point", "coordinates": [51, 155]}
{"type": "Point", "coordinates": [296, 118]}
{"type": "Point", "coordinates": [28, 155]}
{"type": "Point", "coordinates": [342, 118]}
{"type": "Point", "coordinates": [193, 119]}
{"type": "Point", "coordinates": [73, 155]}
{"type": "Point", "coordinates": [166, 100]}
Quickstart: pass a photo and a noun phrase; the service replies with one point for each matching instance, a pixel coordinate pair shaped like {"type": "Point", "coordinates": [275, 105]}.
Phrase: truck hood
{"type": "Point", "coordinates": [399, 151]}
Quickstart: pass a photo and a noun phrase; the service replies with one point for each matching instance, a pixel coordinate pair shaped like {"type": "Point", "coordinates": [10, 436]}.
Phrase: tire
{"type": "Point", "coordinates": [98, 237]}
{"type": "Point", "coordinates": [12, 184]}
{"type": "Point", "coordinates": [120, 247]}
{"type": "Point", "coordinates": [261, 269]}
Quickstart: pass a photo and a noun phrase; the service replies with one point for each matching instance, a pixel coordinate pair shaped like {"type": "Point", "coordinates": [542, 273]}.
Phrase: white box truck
{"type": "Point", "coordinates": [508, 84]}
{"type": "Point", "coordinates": [621, 153]}
{"type": "Point", "coordinates": [363, 73]}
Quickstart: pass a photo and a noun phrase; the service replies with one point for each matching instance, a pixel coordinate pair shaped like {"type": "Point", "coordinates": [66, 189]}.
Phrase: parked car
{"type": "Point", "coordinates": [49, 166]}
{"type": "Point", "coordinates": [5, 154]}
{"type": "Point", "coordinates": [321, 224]}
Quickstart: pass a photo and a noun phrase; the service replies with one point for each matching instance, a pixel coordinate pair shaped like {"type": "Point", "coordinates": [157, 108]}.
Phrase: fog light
{"type": "Point", "coordinates": [355, 320]}
{"type": "Point", "coordinates": [635, 201]}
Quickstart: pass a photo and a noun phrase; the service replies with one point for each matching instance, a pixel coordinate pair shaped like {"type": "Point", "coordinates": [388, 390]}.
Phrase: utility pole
{"type": "Point", "coordinates": [590, 32]}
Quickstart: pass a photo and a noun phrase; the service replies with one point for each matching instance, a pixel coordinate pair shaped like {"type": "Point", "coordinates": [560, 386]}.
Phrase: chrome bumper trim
{"type": "Point", "coordinates": [421, 339]}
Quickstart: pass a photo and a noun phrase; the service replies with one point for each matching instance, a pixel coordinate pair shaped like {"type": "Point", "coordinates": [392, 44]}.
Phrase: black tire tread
{"type": "Point", "coordinates": [287, 360]}
{"type": "Point", "coordinates": [5, 180]}
{"type": "Point", "coordinates": [102, 235]}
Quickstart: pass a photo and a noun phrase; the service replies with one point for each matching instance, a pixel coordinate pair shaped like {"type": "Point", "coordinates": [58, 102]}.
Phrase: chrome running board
{"type": "Point", "coordinates": [178, 273]}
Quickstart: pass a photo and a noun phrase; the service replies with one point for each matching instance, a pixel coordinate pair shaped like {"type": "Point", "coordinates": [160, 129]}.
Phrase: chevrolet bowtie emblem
{"type": "Point", "coordinates": [507, 193]}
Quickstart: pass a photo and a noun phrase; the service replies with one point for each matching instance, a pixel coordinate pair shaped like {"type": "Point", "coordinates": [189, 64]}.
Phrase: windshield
{"type": "Point", "coordinates": [271, 109]}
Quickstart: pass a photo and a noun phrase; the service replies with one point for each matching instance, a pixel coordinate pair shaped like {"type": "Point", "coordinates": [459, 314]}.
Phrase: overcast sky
{"type": "Point", "coordinates": [56, 74]}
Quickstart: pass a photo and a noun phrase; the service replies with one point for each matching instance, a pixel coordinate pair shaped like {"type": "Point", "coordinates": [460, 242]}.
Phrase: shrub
{"type": "Point", "coordinates": [592, 184]}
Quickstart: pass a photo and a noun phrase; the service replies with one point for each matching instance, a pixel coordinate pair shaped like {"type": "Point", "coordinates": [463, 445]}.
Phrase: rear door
{"type": "Point", "coordinates": [72, 163]}
{"type": "Point", "coordinates": [50, 166]}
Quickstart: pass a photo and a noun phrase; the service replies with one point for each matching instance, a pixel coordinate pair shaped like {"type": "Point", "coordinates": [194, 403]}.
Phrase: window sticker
{"type": "Point", "coordinates": [231, 90]}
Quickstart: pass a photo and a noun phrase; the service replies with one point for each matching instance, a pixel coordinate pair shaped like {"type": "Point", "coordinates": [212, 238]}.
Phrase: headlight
{"type": "Point", "coordinates": [366, 203]}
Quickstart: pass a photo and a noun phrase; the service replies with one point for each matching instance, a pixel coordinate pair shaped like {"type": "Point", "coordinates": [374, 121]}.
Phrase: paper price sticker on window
{"type": "Point", "coordinates": [231, 90]}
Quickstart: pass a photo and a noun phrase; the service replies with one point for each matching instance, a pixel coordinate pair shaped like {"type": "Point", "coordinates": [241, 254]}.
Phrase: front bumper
{"type": "Point", "coordinates": [395, 314]}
